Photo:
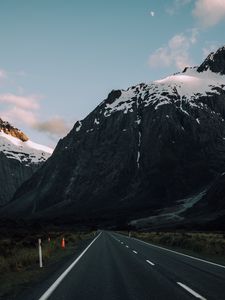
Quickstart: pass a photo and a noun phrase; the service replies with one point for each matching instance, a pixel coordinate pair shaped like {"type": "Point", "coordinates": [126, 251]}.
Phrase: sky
{"type": "Point", "coordinates": [60, 58]}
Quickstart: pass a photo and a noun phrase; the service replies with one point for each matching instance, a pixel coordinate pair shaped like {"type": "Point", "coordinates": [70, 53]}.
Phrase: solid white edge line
{"type": "Point", "coordinates": [51, 289]}
{"type": "Point", "coordinates": [191, 291]}
{"type": "Point", "coordinates": [151, 263]}
{"type": "Point", "coordinates": [134, 251]}
{"type": "Point", "coordinates": [196, 258]}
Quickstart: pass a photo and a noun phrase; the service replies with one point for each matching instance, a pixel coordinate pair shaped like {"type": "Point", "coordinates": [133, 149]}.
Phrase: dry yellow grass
{"type": "Point", "coordinates": [202, 243]}
{"type": "Point", "coordinates": [19, 258]}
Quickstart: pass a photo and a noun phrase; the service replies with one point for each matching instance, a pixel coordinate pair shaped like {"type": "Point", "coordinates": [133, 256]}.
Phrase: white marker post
{"type": "Point", "coordinates": [40, 253]}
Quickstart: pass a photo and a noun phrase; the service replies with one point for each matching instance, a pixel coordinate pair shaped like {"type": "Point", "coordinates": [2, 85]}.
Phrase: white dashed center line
{"type": "Point", "coordinates": [151, 263]}
{"type": "Point", "coordinates": [191, 291]}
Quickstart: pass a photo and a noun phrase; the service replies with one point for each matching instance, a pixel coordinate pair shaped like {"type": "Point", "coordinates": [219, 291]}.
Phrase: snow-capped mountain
{"type": "Point", "coordinates": [19, 158]}
{"type": "Point", "coordinates": [182, 89]}
{"type": "Point", "coordinates": [146, 153]}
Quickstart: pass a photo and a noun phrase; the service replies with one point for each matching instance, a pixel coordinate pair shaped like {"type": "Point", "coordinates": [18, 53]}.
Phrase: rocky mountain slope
{"type": "Point", "coordinates": [19, 158]}
{"type": "Point", "coordinates": [146, 153]}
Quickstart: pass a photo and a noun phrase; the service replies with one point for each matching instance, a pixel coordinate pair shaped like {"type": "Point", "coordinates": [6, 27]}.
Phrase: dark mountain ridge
{"type": "Point", "coordinates": [149, 148]}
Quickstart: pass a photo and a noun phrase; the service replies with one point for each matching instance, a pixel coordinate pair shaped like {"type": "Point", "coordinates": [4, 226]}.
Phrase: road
{"type": "Point", "coordinates": [116, 267]}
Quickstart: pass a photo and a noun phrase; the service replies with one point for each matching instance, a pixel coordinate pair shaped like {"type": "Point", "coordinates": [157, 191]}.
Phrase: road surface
{"type": "Point", "coordinates": [116, 267]}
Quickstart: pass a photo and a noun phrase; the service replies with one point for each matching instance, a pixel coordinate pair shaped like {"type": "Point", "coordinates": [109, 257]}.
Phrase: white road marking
{"type": "Point", "coordinates": [121, 242]}
{"type": "Point", "coordinates": [127, 246]}
{"type": "Point", "coordinates": [191, 291]}
{"type": "Point", "coordinates": [179, 253]}
{"type": "Point", "coordinates": [51, 289]}
{"type": "Point", "coordinates": [134, 251]}
{"type": "Point", "coordinates": [151, 263]}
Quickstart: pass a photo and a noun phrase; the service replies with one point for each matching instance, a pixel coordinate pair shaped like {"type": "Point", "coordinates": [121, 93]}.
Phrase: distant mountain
{"type": "Point", "coordinates": [145, 156]}
{"type": "Point", "coordinates": [19, 158]}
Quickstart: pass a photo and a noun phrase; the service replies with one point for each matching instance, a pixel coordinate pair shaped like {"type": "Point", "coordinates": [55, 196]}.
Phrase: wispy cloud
{"type": "Point", "coordinates": [25, 102]}
{"type": "Point", "coordinates": [209, 12]}
{"type": "Point", "coordinates": [176, 52]}
{"type": "Point", "coordinates": [54, 126]}
{"type": "Point", "coordinates": [3, 74]}
{"type": "Point", "coordinates": [25, 110]}
{"type": "Point", "coordinates": [19, 115]}
{"type": "Point", "coordinates": [176, 5]}
{"type": "Point", "coordinates": [10, 76]}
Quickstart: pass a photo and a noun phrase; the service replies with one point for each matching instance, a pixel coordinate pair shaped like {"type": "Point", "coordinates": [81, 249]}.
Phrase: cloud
{"type": "Point", "coordinates": [25, 102]}
{"type": "Point", "coordinates": [176, 52]}
{"type": "Point", "coordinates": [55, 126]}
{"type": "Point", "coordinates": [193, 35]}
{"type": "Point", "coordinates": [19, 115]}
{"type": "Point", "coordinates": [176, 6]}
{"type": "Point", "coordinates": [209, 12]}
{"type": "Point", "coordinates": [9, 78]}
{"type": "Point", "coordinates": [3, 74]}
{"type": "Point", "coordinates": [24, 110]}
{"type": "Point", "coordinates": [152, 13]}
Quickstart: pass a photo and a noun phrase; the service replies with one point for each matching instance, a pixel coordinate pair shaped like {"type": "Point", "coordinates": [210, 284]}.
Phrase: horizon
{"type": "Point", "coordinates": [60, 59]}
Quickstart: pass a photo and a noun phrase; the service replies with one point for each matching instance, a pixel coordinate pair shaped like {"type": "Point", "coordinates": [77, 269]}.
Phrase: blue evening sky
{"type": "Point", "coordinates": [60, 58]}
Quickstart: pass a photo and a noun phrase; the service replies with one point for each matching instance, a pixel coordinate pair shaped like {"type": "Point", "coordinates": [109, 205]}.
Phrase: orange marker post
{"type": "Point", "coordinates": [63, 245]}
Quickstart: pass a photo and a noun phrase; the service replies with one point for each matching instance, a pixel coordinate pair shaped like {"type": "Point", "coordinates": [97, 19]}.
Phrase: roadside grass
{"type": "Point", "coordinates": [202, 244]}
{"type": "Point", "coordinates": [19, 259]}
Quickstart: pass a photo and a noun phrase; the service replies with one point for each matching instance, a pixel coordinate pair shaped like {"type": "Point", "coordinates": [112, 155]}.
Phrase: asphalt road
{"type": "Point", "coordinates": [115, 267]}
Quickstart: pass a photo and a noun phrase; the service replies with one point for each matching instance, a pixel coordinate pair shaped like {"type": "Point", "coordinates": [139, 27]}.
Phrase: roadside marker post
{"type": "Point", "coordinates": [63, 243]}
{"type": "Point", "coordinates": [40, 253]}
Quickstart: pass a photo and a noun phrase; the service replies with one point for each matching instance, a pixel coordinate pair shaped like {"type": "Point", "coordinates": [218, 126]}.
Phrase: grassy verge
{"type": "Point", "coordinates": [19, 260]}
{"type": "Point", "coordinates": [200, 244]}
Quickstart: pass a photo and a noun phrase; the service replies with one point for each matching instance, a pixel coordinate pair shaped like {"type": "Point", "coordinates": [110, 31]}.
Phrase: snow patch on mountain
{"type": "Point", "coordinates": [124, 103]}
{"type": "Point", "coordinates": [26, 152]}
{"type": "Point", "coordinates": [79, 126]}
{"type": "Point", "coordinates": [187, 87]}
{"type": "Point", "coordinates": [192, 83]}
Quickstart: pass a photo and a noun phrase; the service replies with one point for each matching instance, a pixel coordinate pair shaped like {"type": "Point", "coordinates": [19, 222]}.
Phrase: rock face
{"type": "Point", "coordinates": [19, 159]}
{"type": "Point", "coordinates": [144, 149]}
{"type": "Point", "coordinates": [211, 208]}
{"type": "Point", "coordinates": [12, 175]}
{"type": "Point", "coordinates": [15, 132]}
{"type": "Point", "coordinates": [214, 62]}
